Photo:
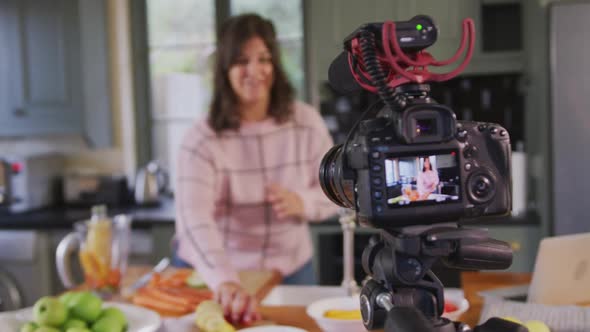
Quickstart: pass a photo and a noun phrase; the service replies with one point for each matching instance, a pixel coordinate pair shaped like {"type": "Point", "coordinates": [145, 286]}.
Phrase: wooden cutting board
{"type": "Point", "coordinates": [257, 282]}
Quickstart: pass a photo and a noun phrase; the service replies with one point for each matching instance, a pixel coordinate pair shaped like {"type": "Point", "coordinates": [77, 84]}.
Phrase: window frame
{"type": "Point", "coordinates": [142, 92]}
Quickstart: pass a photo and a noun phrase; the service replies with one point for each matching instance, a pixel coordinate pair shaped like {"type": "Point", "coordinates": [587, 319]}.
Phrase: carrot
{"type": "Point", "coordinates": [190, 293]}
{"type": "Point", "coordinates": [164, 297]}
{"type": "Point", "coordinates": [172, 283]}
{"type": "Point", "coordinates": [160, 306]}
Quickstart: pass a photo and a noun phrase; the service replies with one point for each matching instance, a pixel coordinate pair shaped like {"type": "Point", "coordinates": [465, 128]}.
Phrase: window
{"type": "Point", "coordinates": [287, 16]}
{"type": "Point", "coordinates": [181, 37]}
{"type": "Point", "coordinates": [181, 43]}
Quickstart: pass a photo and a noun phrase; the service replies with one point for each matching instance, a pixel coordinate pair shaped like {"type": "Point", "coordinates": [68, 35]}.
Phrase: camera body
{"type": "Point", "coordinates": [383, 174]}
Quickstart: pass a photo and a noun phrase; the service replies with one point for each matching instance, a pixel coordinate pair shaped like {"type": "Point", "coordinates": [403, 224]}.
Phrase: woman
{"type": "Point", "coordinates": [427, 179]}
{"type": "Point", "coordinates": [247, 174]}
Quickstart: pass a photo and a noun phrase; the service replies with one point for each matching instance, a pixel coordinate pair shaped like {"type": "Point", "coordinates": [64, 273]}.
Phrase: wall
{"type": "Point", "coordinates": [120, 159]}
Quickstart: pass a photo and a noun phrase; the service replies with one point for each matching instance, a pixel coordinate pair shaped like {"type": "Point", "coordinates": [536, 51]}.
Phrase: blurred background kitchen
{"type": "Point", "coordinates": [95, 96]}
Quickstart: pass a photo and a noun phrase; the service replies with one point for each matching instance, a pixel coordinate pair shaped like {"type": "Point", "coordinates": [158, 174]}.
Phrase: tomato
{"type": "Point", "coordinates": [450, 307]}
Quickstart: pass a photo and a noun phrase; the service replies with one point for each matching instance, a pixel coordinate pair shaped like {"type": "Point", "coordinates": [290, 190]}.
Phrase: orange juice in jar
{"type": "Point", "coordinates": [103, 250]}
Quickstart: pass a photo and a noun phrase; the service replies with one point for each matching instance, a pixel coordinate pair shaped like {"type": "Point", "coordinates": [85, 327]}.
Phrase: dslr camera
{"type": "Point", "coordinates": [409, 161]}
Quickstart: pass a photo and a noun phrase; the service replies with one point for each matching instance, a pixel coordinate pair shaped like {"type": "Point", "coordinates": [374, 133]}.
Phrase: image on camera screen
{"type": "Point", "coordinates": [422, 180]}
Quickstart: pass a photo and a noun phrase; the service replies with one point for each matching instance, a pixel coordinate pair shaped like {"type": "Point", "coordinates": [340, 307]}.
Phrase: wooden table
{"type": "Point", "coordinates": [261, 282]}
{"type": "Point", "coordinates": [473, 282]}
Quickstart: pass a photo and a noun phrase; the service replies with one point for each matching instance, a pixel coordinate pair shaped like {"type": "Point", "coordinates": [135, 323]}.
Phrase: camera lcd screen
{"type": "Point", "coordinates": [422, 180]}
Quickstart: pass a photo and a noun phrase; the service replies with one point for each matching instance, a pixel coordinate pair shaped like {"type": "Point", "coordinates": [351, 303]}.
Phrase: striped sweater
{"type": "Point", "coordinates": [223, 221]}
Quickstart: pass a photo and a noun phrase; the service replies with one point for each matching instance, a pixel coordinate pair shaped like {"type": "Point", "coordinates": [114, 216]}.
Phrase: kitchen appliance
{"type": "Point", "coordinates": [25, 268]}
{"type": "Point", "coordinates": [150, 184]}
{"type": "Point", "coordinates": [88, 189]}
{"type": "Point", "coordinates": [10, 295]}
{"type": "Point", "coordinates": [29, 182]}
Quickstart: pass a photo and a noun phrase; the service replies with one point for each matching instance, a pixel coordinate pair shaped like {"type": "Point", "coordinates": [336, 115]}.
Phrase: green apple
{"type": "Point", "coordinates": [107, 324]}
{"type": "Point", "coordinates": [47, 329]}
{"type": "Point", "coordinates": [115, 313]}
{"type": "Point", "coordinates": [29, 327]}
{"type": "Point", "coordinates": [49, 311]}
{"type": "Point", "coordinates": [70, 297]}
{"type": "Point", "coordinates": [77, 329]}
{"type": "Point", "coordinates": [64, 298]}
{"type": "Point", "coordinates": [73, 322]}
{"type": "Point", "coordinates": [86, 306]}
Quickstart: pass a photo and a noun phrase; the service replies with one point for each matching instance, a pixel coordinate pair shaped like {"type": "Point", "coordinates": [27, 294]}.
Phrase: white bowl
{"type": "Point", "coordinates": [456, 297]}
{"type": "Point", "coordinates": [317, 309]}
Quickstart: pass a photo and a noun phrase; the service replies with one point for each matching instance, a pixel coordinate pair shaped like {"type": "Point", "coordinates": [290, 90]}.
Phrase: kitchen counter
{"type": "Point", "coordinates": [65, 216]}
{"type": "Point", "coordinates": [164, 213]}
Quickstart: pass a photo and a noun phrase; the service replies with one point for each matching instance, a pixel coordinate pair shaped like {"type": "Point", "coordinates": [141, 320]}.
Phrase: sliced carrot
{"type": "Point", "coordinates": [190, 293]}
{"type": "Point", "coordinates": [162, 307]}
{"type": "Point", "coordinates": [164, 297]}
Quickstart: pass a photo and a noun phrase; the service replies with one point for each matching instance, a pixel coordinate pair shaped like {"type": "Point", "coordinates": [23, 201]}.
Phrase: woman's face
{"type": "Point", "coordinates": [251, 76]}
{"type": "Point", "coordinates": [427, 164]}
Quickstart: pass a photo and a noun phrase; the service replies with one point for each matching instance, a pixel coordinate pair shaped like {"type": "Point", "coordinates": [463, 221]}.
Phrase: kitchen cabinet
{"type": "Point", "coordinates": [25, 259]}
{"type": "Point", "coordinates": [330, 21]}
{"type": "Point", "coordinates": [53, 69]}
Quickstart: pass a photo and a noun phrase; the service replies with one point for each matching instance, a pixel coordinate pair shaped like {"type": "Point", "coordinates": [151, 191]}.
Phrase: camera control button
{"type": "Point", "coordinates": [503, 132]}
{"type": "Point", "coordinates": [376, 168]}
{"type": "Point", "coordinates": [482, 127]}
{"type": "Point", "coordinates": [379, 208]}
{"type": "Point", "coordinates": [378, 194]}
{"type": "Point", "coordinates": [493, 130]}
{"type": "Point", "coordinates": [468, 167]}
{"type": "Point", "coordinates": [377, 181]}
{"type": "Point", "coordinates": [470, 152]}
{"type": "Point", "coordinates": [375, 154]}
{"type": "Point", "coordinates": [376, 140]}
{"type": "Point", "coordinates": [462, 135]}
{"type": "Point", "coordinates": [388, 138]}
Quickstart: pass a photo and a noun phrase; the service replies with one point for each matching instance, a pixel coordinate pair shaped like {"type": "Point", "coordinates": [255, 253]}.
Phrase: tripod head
{"type": "Point", "coordinates": [402, 284]}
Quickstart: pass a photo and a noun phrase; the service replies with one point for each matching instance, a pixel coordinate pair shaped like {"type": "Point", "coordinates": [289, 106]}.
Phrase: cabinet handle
{"type": "Point", "coordinates": [515, 246]}
{"type": "Point", "coordinates": [19, 111]}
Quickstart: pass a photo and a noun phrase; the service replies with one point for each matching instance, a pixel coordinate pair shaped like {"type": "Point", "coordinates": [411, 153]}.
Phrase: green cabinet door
{"type": "Point", "coordinates": [43, 56]}
{"type": "Point", "coordinates": [54, 69]}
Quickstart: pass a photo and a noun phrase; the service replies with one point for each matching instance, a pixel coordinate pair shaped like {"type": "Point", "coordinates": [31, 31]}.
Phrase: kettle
{"type": "Point", "coordinates": [151, 182]}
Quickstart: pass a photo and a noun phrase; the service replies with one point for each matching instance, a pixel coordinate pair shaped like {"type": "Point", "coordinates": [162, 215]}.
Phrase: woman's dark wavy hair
{"type": "Point", "coordinates": [223, 112]}
{"type": "Point", "coordinates": [424, 164]}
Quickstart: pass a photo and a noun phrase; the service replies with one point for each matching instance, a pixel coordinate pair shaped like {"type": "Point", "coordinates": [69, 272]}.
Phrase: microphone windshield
{"type": "Point", "coordinates": [341, 78]}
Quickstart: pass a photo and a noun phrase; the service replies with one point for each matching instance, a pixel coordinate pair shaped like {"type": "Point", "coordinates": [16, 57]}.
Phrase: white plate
{"type": "Point", "coordinates": [457, 297]}
{"type": "Point", "coordinates": [140, 319]}
{"type": "Point", "coordinates": [272, 328]}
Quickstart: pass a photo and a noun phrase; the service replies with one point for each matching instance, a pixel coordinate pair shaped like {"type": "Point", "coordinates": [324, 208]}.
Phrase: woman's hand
{"type": "Point", "coordinates": [238, 306]}
{"type": "Point", "coordinates": [285, 203]}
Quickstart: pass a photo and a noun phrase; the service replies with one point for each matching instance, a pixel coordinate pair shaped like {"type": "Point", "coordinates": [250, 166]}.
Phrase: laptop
{"type": "Point", "coordinates": [562, 271]}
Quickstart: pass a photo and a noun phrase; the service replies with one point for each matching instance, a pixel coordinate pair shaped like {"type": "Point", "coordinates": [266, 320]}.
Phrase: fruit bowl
{"type": "Point", "coordinates": [139, 318]}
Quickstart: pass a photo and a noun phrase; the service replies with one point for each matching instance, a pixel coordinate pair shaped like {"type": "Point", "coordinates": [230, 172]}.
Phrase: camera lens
{"type": "Point", "coordinates": [338, 189]}
{"type": "Point", "coordinates": [480, 187]}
